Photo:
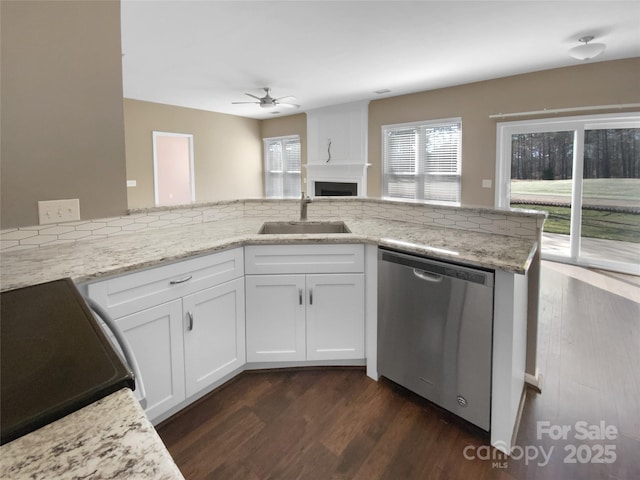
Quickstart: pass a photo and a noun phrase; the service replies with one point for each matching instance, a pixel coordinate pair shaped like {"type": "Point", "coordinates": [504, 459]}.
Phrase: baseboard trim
{"type": "Point", "coordinates": [358, 362]}
{"type": "Point", "coordinates": [516, 426]}
{"type": "Point", "coordinates": [534, 382]}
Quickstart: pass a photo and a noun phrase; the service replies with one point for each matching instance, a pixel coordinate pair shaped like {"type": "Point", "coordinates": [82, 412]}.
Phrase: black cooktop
{"type": "Point", "coordinates": [54, 357]}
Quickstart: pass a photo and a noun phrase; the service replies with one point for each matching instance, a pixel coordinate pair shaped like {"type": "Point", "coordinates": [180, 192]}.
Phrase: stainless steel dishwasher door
{"type": "Point", "coordinates": [435, 332]}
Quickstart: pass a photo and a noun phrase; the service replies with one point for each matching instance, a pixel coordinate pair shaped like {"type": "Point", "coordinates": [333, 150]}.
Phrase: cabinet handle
{"type": "Point", "coordinates": [190, 317]}
{"type": "Point", "coordinates": [300, 296]}
{"type": "Point", "coordinates": [311, 296]}
{"type": "Point", "coordinates": [181, 280]}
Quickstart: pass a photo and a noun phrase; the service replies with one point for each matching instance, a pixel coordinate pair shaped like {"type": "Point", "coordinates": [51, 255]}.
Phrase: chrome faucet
{"type": "Point", "coordinates": [304, 201]}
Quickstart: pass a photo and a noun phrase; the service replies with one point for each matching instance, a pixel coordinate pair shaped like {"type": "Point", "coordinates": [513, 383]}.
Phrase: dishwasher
{"type": "Point", "coordinates": [435, 323]}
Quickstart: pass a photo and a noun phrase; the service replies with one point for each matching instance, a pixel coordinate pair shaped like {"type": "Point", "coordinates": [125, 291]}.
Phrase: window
{"type": "Point", "coordinates": [421, 161]}
{"type": "Point", "coordinates": [585, 172]}
{"type": "Point", "coordinates": [282, 167]}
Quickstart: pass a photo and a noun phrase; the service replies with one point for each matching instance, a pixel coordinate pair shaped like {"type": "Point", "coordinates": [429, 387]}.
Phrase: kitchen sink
{"type": "Point", "coordinates": [283, 228]}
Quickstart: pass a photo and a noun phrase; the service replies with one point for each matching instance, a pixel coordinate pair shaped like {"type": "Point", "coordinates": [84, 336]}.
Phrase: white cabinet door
{"type": "Point", "coordinates": [335, 316]}
{"type": "Point", "coordinates": [275, 317]}
{"type": "Point", "coordinates": [155, 335]}
{"type": "Point", "coordinates": [214, 337]}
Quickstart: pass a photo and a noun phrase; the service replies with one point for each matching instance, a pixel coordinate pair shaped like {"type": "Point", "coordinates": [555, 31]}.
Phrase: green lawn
{"type": "Point", "coordinates": [595, 223]}
{"type": "Point", "coordinates": [611, 225]}
{"type": "Point", "coordinates": [627, 189]}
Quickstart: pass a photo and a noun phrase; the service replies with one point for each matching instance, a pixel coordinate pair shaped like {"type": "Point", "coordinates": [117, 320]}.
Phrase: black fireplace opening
{"type": "Point", "coordinates": [336, 189]}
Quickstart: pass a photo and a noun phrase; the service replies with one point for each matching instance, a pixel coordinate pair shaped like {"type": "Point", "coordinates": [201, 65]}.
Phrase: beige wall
{"type": "Point", "coordinates": [62, 119]}
{"type": "Point", "coordinates": [602, 83]}
{"type": "Point", "coordinates": [227, 151]}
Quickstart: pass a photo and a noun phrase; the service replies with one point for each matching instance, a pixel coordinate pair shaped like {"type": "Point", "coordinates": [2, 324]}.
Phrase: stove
{"type": "Point", "coordinates": [54, 357]}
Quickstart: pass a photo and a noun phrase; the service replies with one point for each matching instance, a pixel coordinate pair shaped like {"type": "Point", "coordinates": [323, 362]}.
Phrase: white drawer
{"type": "Point", "coordinates": [269, 259]}
{"type": "Point", "coordinates": [147, 288]}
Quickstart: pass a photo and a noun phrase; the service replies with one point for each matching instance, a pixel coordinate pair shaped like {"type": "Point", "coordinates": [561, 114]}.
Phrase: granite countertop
{"type": "Point", "coordinates": [89, 260]}
{"type": "Point", "coordinates": [109, 439]}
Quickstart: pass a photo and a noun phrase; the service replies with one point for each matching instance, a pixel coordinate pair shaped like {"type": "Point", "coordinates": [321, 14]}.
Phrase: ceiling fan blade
{"type": "Point", "coordinates": [282, 98]}
{"type": "Point", "coordinates": [238, 103]}
{"type": "Point", "coordinates": [288, 105]}
{"type": "Point", "coordinates": [252, 96]}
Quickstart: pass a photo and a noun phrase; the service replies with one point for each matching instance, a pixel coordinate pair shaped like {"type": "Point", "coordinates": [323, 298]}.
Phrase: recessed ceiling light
{"type": "Point", "coordinates": [384, 90]}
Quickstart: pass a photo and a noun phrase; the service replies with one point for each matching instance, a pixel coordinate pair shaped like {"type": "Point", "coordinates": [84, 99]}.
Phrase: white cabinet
{"type": "Point", "coordinates": [184, 321]}
{"type": "Point", "coordinates": [295, 316]}
{"type": "Point", "coordinates": [335, 316]}
{"type": "Point", "coordinates": [214, 334]}
{"type": "Point", "coordinates": [155, 335]}
{"type": "Point", "coordinates": [275, 318]}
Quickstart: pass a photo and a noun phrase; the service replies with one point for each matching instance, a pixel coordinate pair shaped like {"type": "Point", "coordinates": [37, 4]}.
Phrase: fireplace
{"type": "Point", "coordinates": [337, 179]}
{"type": "Point", "coordinates": [335, 189]}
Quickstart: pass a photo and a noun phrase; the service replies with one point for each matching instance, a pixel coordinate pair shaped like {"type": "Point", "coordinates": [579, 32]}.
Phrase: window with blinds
{"type": "Point", "coordinates": [421, 161]}
{"type": "Point", "coordinates": [282, 167]}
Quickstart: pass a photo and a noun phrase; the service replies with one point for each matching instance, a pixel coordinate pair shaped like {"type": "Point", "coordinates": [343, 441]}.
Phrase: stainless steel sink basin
{"type": "Point", "coordinates": [283, 228]}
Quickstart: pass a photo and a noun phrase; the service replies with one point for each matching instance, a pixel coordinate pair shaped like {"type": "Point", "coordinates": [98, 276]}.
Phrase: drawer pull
{"type": "Point", "coordinates": [300, 296]}
{"type": "Point", "coordinates": [181, 280]}
{"type": "Point", "coordinates": [190, 316]}
{"type": "Point", "coordinates": [311, 296]}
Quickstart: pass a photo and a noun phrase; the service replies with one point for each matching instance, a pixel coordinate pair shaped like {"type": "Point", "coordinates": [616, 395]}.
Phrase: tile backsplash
{"type": "Point", "coordinates": [502, 222]}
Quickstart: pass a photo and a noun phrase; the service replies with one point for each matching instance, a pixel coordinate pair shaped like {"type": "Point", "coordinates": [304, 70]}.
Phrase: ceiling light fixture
{"type": "Point", "coordinates": [587, 51]}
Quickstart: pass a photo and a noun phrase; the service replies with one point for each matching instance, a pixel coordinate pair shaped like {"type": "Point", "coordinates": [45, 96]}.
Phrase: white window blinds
{"type": "Point", "coordinates": [282, 167]}
{"type": "Point", "coordinates": [421, 161]}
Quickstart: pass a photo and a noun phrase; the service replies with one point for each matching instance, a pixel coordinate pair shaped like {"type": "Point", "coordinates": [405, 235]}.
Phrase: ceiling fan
{"type": "Point", "coordinates": [268, 101]}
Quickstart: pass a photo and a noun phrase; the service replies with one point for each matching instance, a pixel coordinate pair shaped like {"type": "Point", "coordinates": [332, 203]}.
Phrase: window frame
{"type": "Point", "coordinates": [578, 124]}
{"type": "Point", "coordinates": [421, 173]}
{"type": "Point", "coordinates": [283, 173]}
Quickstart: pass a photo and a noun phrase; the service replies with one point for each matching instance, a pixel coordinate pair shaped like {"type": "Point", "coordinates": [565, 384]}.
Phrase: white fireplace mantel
{"type": "Point", "coordinates": [337, 145]}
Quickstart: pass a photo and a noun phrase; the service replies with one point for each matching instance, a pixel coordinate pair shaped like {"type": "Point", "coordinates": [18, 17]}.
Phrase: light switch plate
{"type": "Point", "coordinates": [57, 211]}
{"type": "Point", "coordinates": [486, 183]}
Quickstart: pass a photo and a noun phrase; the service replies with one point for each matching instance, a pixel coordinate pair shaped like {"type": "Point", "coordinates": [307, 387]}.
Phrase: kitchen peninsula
{"type": "Point", "coordinates": [504, 241]}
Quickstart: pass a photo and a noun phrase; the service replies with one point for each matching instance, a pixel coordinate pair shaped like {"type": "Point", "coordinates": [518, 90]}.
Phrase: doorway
{"type": "Point", "coordinates": [173, 168]}
{"type": "Point", "coordinates": [585, 172]}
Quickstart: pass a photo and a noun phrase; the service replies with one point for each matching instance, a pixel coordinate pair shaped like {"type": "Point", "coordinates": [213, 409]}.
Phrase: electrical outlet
{"type": "Point", "coordinates": [57, 211]}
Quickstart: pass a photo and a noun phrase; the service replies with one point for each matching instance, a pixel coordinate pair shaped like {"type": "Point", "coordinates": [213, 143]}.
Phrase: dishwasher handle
{"type": "Point", "coordinates": [124, 346]}
{"type": "Point", "coordinates": [428, 277]}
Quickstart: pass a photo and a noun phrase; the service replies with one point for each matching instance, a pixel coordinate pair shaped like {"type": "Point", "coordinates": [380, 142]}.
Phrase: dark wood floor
{"type": "Point", "coordinates": [339, 424]}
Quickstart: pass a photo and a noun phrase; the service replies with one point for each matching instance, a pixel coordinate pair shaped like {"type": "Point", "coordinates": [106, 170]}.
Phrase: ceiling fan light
{"type": "Point", "coordinates": [587, 51]}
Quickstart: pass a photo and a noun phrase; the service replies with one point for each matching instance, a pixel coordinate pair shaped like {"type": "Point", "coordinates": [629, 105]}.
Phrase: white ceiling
{"type": "Point", "coordinates": [207, 54]}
